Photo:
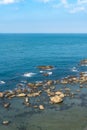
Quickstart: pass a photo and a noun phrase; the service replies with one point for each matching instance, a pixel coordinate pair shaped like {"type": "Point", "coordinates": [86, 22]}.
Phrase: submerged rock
{"type": "Point", "coordinates": [5, 122]}
{"type": "Point", "coordinates": [6, 105]}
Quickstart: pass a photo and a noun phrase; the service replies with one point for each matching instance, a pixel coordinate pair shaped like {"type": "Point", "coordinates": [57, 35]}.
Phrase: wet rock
{"type": "Point", "coordinates": [49, 82]}
{"type": "Point", "coordinates": [5, 122]}
{"type": "Point", "coordinates": [64, 81]}
{"type": "Point", "coordinates": [45, 67]}
{"type": "Point", "coordinates": [60, 94]}
{"type": "Point", "coordinates": [83, 62]}
{"type": "Point", "coordinates": [6, 105]}
{"type": "Point", "coordinates": [32, 85]}
{"type": "Point", "coordinates": [38, 84]}
{"type": "Point", "coordinates": [21, 95]}
{"type": "Point", "coordinates": [41, 107]}
{"type": "Point", "coordinates": [35, 106]}
{"type": "Point", "coordinates": [56, 99]}
{"type": "Point", "coordinates": [34, 94]}
{"type": "Point", "coordinates": [9, 94]}
{"type": "Point", "coordinates": [67, 89]}
{"type": "Point", "coordinates": [1, 95]}
{"type": "Point", "coordinates": [19, 90]}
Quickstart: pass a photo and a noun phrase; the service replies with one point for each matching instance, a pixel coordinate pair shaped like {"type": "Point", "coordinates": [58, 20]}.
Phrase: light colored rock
{"type": "Point", "coordinates": [56, 99]}
{"type": "Point", "coordinates": [41, 107]}
{"type": "Point", "coordinates": [21, 95]}
{"type": "Point", "coordinates": [1, 94]}
{"type": "Point", "coordinates": [60, 94]}
{"type": "Point", "coordinates": [50, 82]}
{"type": "Point", "coordinates": [5, 122]}
{"type": "Point", "coordinates": [34, 94]}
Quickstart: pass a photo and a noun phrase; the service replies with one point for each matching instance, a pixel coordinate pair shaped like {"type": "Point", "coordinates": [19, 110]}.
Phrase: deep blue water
{"type": "Point", "coordinates": [22, 53]}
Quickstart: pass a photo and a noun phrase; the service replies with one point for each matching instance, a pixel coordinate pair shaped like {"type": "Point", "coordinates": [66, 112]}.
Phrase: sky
{"type": "Point", "coordinates": [43, 16]}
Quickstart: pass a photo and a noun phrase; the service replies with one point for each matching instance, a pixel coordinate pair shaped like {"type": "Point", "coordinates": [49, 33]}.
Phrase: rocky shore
{"type": "Point", "coordinates": [39, 95]}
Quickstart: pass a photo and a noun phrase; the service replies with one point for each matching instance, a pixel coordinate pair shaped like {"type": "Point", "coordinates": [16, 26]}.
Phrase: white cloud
{"type": "Point", "coordinates": [72, 7]}
{"type": "Point", "coordinates": [77, 9]}
{"type": "Point", "coordinates": [82, 1]}
{"type": "Point", "coordinates": [44, 1]}
{"type": "Point", "coordinates": [8, 1]}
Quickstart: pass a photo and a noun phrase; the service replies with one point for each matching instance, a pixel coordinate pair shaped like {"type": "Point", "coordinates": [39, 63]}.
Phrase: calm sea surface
{"type": "Point", "coordinates": [20, 54]}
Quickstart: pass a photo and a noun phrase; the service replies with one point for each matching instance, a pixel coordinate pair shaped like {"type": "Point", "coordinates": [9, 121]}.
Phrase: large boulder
{"type": "Point", "coordinates": [56, 99]}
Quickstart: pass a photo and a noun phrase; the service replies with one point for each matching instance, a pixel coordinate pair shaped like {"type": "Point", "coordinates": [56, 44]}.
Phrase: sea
{"type": "Point", "coordinates": [20, 56]}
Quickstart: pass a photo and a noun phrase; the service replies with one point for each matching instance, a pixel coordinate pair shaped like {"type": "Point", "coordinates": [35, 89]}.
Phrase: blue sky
{"type": "Point", "coordinates": [43, 16]}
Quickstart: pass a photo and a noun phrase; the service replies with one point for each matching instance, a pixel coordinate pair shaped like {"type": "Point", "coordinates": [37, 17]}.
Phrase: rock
{"type": "Point", "coordinates": [9, 94]}
{"type": "Point", "coordinates": [5, 122]}
{"type": "Point", "coordinates": [6, 105]}
{"type": "Point", "coordinates": [64, 81]}
{"type": "Point", "coordinates": [60, 94]}
{"type": "Point", "coordinates": [43, 67]}
{"type": "Point", "coordinates": [45, 74]}
{"type": "Point", "coordinates": [21, 95]}
{"type": "Point", "coordinates": [49, 82]}
{"type": "Point", "coordinates": [67, 89]}
{"type": "Point", "coordinates": [34, 94]}
{"type": "Point", "coordinates": [41, 107]}
{"type": "Point", "coordinates": [56, 99]}
{"type": "Point", "coordinates": [1, 95]}
{"type": "Point", "coordinates": [35, 106]}
{"type": "Point", "coordinates": [83, 62]}
{"type": "Point", "coordinates": [32, 85]}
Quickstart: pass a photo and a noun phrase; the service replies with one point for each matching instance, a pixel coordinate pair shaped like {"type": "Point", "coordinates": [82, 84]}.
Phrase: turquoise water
{"type": "Point", "coordinates": [21, 53]}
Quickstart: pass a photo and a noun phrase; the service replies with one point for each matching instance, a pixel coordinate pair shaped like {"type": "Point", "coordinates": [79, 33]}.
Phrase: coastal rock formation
{"type": "Point", "coordinates": [43, 67]}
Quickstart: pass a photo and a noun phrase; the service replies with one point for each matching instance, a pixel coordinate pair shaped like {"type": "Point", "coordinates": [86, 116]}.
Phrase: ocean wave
{"type": "Point", "coordinates": [2, 82]}
{"type": "Point", "coordinates": [29, 74]}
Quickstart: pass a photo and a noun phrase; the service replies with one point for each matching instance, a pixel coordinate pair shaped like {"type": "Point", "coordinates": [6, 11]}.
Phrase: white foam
{"type": "Point", "coordinates": [29, 74]}
{"type": "Point", "coordinates": [74, 69]}
{"type": "Point", "coordinates": [2, 82]}
{"type": "Point", "coordinates": [41, 71]}
{"type": "Point", "coordinates": [49, 73]}
{"type": "Point", "coordinates": [84, 65]}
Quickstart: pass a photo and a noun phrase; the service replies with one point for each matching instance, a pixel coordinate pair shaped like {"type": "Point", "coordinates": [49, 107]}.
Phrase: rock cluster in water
{"type": "Point", "coordinates": [46, 90]}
